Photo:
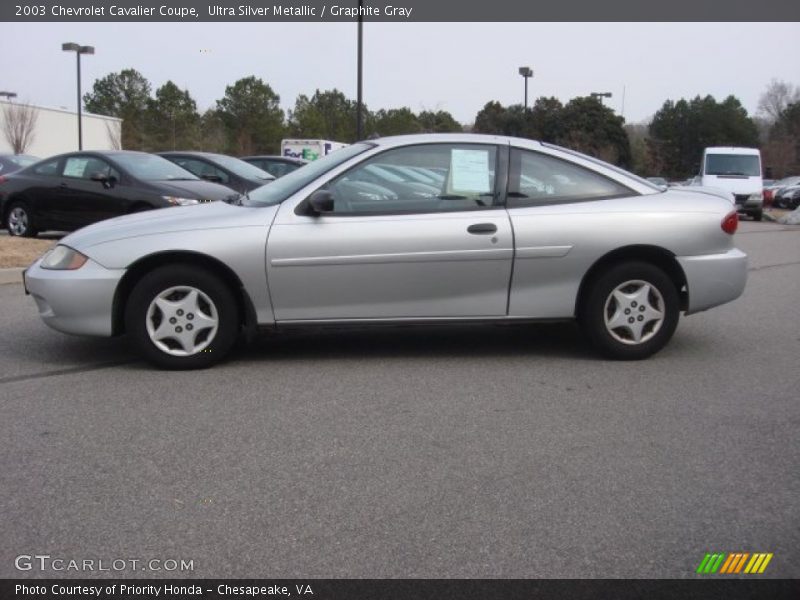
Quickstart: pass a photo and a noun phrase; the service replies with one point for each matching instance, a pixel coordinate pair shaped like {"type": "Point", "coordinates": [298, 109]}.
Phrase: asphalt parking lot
{"type": "Point", "coordinates": [469, 452]}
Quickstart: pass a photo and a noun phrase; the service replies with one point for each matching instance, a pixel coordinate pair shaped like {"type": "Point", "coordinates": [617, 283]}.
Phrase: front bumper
{"type": "Point", "coordinates": [714, 279]}
{"type": "Point", "coordinates": [745, 205]}
{"type": "Point", "coordinates": [79, 302]}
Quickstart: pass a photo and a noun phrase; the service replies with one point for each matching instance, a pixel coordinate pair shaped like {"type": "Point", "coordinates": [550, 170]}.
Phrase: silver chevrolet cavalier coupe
{"type": "Point", "coordinates": [411, 229]}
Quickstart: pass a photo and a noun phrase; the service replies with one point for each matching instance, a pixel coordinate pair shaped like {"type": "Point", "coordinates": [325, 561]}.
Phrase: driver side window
{"type": "Point", "coordinates": [85, 167]}
{"type": "Point", "coordinates": [418, 179]}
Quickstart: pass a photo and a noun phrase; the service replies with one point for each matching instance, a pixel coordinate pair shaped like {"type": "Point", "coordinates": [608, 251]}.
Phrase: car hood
{"type": "Point", "coordinates": [195, 188]}
{"type": "Point", "coordinates": [199, 217]}
{"type": "Point", "coordinates": [736, 185]}
{"type": "Point", "coordinates": [789, 189]}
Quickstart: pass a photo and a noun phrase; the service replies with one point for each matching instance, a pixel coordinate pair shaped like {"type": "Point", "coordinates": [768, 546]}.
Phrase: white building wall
{"type": "Point", "coordinates": [57, 132]}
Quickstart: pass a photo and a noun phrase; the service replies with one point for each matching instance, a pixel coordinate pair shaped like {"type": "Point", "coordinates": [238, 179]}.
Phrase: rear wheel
{"type": "Point", "coordinates": [182, 317]}
{"type": "Point", "coordinates": [631, 311]}
{"type": "Point", "coordinates": [19, 222]}
{"type": "Point", "coordinates": [758, 215]}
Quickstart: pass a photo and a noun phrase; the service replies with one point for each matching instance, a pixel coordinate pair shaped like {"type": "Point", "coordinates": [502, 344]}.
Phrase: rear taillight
{"type": "Point", "coordinates": [730, 223]}
{"type": "Point", "coordinates": [3, 179]}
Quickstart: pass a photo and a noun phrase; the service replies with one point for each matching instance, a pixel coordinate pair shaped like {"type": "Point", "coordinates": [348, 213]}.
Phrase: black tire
{"type": "Point", "coordinates": [216, 298]}
{"type": "Point", "coordinates": [597, 304]}
{"type": "Point", "coordinates": [19, 221]}
{"type": "Point", "coordinates": [758, 215]}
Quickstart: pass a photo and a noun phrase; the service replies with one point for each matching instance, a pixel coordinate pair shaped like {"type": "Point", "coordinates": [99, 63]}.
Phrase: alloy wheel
{"type": "Point", "coordinates": [18, 221]}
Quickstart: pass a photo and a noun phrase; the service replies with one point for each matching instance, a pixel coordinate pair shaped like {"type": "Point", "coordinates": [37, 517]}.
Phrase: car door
{"type": "Point", "coordinates": [559, 229]}
{"type": "Point", "coordinates": [83, 200]}
{"type": "Point", "coordinates": [398, 253]}
{"type": "Point", "coordinates": [42, 193]}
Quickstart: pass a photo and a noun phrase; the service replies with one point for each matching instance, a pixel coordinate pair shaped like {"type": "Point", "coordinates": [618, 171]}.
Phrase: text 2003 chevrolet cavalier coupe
{"type": "Point", "coordinates": [427, 228]}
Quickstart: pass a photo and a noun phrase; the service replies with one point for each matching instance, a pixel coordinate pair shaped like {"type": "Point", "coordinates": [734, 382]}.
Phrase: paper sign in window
{"type": "Point", "coordinates": [75, 167]}
{"type": "Point", "coordinates": [469, 171]}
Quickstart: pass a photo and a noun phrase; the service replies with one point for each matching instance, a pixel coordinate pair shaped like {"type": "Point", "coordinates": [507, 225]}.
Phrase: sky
{"type": "Point", "coordinates": [456, 67]}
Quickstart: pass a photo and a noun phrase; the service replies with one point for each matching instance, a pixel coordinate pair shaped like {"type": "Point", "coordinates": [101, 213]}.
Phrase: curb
{"type": "Point", "coordinates": [9, 276]}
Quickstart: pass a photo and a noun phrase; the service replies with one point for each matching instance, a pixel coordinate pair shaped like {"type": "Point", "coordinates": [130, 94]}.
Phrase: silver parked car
{"type": "Point", "coordinates": [502, 229]}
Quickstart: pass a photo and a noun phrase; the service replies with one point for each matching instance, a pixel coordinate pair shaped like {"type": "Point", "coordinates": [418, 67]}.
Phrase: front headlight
{"type": "Point", "coordinates": [63, 258]}
{"type": "Point", "coordinates": [174, 200]}
{"type": "Point", "coordinates": [757, 197]}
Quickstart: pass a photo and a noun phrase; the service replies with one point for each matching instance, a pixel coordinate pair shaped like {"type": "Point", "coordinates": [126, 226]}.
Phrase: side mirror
{"type": "Point", "coordinates": [108, 181]}
{"type": "Point", "coordinates": [212, 178]}
{"type": "Point", "coordinates": [321, 202]}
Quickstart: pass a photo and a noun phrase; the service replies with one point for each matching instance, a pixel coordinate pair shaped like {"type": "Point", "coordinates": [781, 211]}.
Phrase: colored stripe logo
{"type": "Point", "coordinates": [732, 563]}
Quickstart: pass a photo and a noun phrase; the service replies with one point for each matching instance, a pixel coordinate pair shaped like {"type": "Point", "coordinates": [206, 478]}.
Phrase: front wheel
{"type": "Point", "coordinates": [630, 311]}
{"type": "Point", "coordinates": [182, 317]}
{"type": "Point", "coordinates": [758, 215]}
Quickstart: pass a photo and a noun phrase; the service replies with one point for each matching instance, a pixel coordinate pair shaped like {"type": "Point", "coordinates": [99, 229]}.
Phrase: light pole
{"type": "Point", "coordinates": [526, 72]}
{"type": "Point", "coordinates": [78, 50]}
{"type": "Point", "coordinates": [600, 95]}
{"type": "Point", "coordinates": [360, 76]}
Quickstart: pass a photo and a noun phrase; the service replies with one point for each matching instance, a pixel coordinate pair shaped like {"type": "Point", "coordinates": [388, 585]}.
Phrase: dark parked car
{"type": "Point", "coordinates": [233, 172]}
{"type": "Point", "coordinates": [69, 191]}
{"type": "Point", "coordinates": [787, 197]}
{"type": "Point", "coordinates": [277, 166]}
{"type": "Point", "coordinates": [9, 163]}
{"type": "Point", "coordinates": [775, 188]}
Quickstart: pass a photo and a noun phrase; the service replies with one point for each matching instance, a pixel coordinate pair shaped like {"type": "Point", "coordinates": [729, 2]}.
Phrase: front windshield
{"type": "Point", "coordinates": [241, 168]}
{"type": "Point", "coordinates": [733, 164]}
{"type": "Point", "coordinates": [283, 187]}
{"type": "Point", "coordinates": [149, 167]}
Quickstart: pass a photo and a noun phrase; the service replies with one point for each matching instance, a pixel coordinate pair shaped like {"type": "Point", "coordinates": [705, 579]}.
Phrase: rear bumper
{"type": "Point", "coordinates": [78, 302]}
{"type": "Point", "coordinates": [714, 279]}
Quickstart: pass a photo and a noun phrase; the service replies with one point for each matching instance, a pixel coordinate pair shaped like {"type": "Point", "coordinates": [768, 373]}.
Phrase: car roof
{"type": "Point", "coordinates": [190, 153]}
{"type": "Point", "coordinates": [109, 153]}
{"type": "Point", "coordinates": [463, 138]}
{"type": "Point", "coordinates": [276, 157]}
{"type": "Point", "coordinates": [731, 150]}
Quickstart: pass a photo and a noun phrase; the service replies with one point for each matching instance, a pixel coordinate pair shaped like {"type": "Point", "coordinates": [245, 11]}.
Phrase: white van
{"type": "Point", "coordinates": [309, 149]}
{"type": "Point", "coordinates": [737, 170]}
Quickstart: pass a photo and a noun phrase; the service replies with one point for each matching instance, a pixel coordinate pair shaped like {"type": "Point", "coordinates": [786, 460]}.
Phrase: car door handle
{"type": "Point", "coordinates": [63, 185]}
{"type": "Point", "coordinates": [482, 228]}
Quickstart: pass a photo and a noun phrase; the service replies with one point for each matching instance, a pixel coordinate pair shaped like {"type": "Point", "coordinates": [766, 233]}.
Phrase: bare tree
{"type": "Point", "coordinates": [776, 98]}
{"type": "Point", "coordinates": [19, 125]}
